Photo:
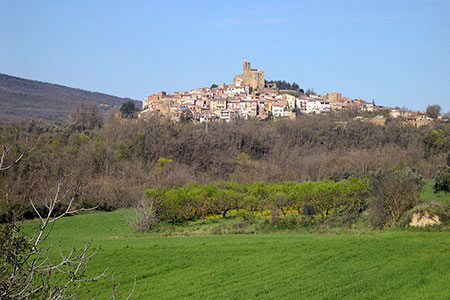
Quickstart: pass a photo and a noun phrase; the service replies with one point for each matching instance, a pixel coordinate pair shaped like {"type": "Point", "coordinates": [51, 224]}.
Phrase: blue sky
{"type": "Point", "coordinates": [395, 52]}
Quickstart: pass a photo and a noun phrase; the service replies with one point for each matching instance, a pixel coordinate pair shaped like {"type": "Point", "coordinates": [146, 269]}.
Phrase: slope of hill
{"type": "Point", "coordinates": [22, 98]}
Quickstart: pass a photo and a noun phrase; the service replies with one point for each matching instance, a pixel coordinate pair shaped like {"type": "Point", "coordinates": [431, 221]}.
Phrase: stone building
{"type": "Point", "coordinates": [153, 98]}
{"type": "Point", "coordinates": [252, 77]}
{"type": "Point", "coordinates": [334, 97]}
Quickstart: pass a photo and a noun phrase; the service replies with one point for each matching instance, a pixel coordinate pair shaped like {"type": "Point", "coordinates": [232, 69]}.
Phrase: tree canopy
{"type": "Point", "coordinates": [433, 111]}
{"type": "Point", "coordinates": [128, 109]}
{"type": "Point", "coordinates": [283, 85]}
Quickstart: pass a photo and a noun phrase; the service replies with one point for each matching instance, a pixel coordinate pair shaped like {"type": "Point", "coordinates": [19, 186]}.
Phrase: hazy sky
{"type": "Point", "coordinates": [395, 52]}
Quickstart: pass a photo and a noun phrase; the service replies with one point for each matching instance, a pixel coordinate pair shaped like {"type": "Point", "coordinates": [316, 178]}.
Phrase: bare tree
{"type": "Point", "coordinates": [26, 267]}
{"type": "Point", "coordinates": [6, 163]}
{"type": "Point", "coordinates": [433, 111]}
{"type": "Point", "coordinates": [143, 217]}
{"type": "Point", "coordinates": [395, 192]}
{"type": "Point", "coordinates": [86, 115]}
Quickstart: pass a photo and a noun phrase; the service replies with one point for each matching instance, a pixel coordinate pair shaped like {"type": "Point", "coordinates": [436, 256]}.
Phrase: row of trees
{"type": "Point", "coordinates": [283, 85]}
{"type": "Point", "coordinates": [387, 195]}
{"type": "Point", "coordinates": [194, 201]}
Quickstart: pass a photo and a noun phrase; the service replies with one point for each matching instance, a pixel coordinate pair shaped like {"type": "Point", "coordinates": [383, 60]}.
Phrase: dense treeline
{"type": "Point", "coordinates": [116, 162]}
{"type": "Point", "coordinates": [283, 85]}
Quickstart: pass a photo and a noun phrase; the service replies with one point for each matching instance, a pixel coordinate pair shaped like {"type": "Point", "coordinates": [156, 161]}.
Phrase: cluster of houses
{"type": "Point", "coordinates": [234, 101]}
{"type": "Point", "coordinates": [249, 96]}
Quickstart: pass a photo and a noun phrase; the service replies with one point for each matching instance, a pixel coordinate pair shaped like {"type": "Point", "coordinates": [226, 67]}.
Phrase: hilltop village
{"type": "Point", "coordinates": [251, 96]}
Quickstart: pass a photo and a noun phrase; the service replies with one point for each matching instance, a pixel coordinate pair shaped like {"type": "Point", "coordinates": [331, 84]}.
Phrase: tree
{"type": "Point", "coordinates": [434, 141]}
{"type": "Point", "coordinates": [143, 217]}
{"type": "Point", "coordinates": [86, 115]}
{"type": "Point", "coordinates": [283, 85]}
{"type": "Point", "coordinates": [213, 86]}
{"type": "Point", "coordinates": [128, 109]}
{"type": "Point", "coordinates": [442, 180]}
{"type": "Point", "coordinates": [433, 111]}
{"type": "Point", "coordinates": [6, 162]}
{"type": "Point", "coordinates": [310, 92]}
{"type": "Point", "coordinates": [397, 191]}
{"type": "Point", "coordinates": [186, 116]}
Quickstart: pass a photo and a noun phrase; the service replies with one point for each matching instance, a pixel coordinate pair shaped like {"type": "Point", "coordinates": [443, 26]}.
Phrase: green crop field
{"type": "Point", "coordinates": [376, 265]}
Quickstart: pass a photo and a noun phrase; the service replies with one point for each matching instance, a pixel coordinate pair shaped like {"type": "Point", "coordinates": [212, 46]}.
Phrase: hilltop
{"type": "Point", "coordinates": [23, 98]}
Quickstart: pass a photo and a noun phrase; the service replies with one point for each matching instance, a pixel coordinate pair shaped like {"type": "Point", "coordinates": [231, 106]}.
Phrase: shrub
{"type": "Point", "coordinates": [376, 213]}
{"type": "Point", "coordinates": [143, 217]}
{"type": "Point", "coordinates": [395, 192]}
{"type": "Point", "coordinates": [442, 180]}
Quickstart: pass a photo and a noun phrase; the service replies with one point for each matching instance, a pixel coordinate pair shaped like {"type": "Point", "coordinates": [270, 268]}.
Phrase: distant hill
{"type": "Point", "coordinates": [22, 98]}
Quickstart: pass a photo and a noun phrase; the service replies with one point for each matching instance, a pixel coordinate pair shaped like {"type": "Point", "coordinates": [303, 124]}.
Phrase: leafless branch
{"type": "Point", "coordinates": [7, 148]}
{"type": "Point", "coordinates": [26, 269]}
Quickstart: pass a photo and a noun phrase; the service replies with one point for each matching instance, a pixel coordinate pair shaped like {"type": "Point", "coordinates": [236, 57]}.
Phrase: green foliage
{"type": "Point", "coordinates": [435, 141]}
{"type": "Point", "coordinates": [128, 109]}
{"type": "Point", "coordinates": [193, 201]}
{"type": "Point", "coordinates": [186, 116]}
{"type": "Point", "coordinates": [283, 85]}
{"type": "Point", "coordinates": [84, 138]}
{"type": "Point", "coordinates": [442, 180]}
{"type": "Point", "coordinates": [213, 86]}
{"type": "Point", "coordinates": [162, 161]}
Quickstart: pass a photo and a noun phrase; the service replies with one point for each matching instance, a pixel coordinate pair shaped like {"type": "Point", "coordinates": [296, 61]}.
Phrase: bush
{"type": "Point", "coordinates": [377, 215]}
{"type": "Point", "coordinates": [143, 217]}
{"type": "Point", "coordinates": [395, 192]}
{"type": "Point", "coordinates": [442, 180]}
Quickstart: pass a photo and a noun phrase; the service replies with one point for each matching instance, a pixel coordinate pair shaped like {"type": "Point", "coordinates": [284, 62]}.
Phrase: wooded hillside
{"type": "Point", "coordinates": [22, 99]}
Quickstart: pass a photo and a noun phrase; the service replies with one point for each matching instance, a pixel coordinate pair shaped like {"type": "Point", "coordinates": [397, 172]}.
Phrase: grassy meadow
{"type": "Point", "coordinates": [428, 193]}
{"type": "Point", "coordinates": [350, 265]}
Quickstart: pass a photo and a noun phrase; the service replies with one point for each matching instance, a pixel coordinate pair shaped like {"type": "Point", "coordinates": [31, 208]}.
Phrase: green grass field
{"type": "Point", "coordinates": [376, 265]}
{"type": "Point", "coordinates": [428, 193]}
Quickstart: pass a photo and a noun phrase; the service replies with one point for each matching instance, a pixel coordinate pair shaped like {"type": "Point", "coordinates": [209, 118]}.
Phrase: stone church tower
{"type": "Point", "coordinates": [252, 77]}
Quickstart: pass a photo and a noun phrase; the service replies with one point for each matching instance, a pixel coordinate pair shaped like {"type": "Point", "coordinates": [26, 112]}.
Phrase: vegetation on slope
{"type": "Point", "coordinates": [23, 99]}
{"type": "Point", "coordinates": [119, 160]}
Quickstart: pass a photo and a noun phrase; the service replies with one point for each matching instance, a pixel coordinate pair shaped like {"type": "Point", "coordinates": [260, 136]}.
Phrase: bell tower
{"type": "Point", "coordinates": [252, 78]}
{"type": "Point", "coordinates": [246, 66]}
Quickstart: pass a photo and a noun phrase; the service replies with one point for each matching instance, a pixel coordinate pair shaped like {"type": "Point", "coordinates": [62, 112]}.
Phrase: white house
{"type": "Point", "coordinates": [277, 110]}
